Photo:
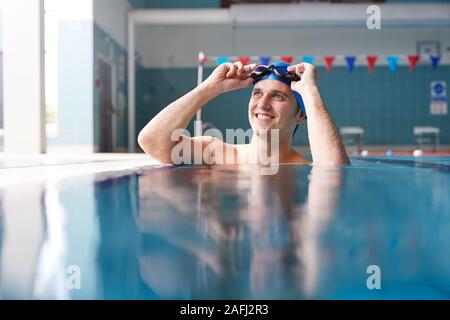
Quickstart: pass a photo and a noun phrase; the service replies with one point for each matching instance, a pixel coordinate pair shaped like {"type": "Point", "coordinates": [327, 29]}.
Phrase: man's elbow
{"type": "Point", "coordinates": [143, 141]}
{"type": "Point", "coordinates": [150, 147]}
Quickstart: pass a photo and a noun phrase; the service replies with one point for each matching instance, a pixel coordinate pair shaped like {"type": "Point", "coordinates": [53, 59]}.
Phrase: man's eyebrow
{"type": "Point", "coordinates": [273, 92]}
{"type": "Point", "coordinates": [279, 92]}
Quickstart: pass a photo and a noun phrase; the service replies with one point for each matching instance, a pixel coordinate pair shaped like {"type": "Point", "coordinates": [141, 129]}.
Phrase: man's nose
{"type": "Point", "coordinates": [265, 103]}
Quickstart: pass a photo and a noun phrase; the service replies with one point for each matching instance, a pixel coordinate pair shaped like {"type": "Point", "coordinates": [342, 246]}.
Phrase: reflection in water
{"type": "Point", "coordinates": [21, 240]}
{"type": "Point", "coordinates": [118, 249]}
{"type": "Point", "coordinates": [50, 278]}
{"type": "Point", "coordinates": [231, 232]}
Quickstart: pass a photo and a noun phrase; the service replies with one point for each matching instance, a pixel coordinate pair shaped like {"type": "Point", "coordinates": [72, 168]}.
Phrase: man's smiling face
{"type": "Point", "coordinates": [273, 106]}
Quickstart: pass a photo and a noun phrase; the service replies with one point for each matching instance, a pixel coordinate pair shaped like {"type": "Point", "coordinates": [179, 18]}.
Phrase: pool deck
{"type": "Point", "coordinates": [22, 168]}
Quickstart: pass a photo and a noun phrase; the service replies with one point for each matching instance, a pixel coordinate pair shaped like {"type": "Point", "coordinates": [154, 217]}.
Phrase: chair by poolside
{"type": "Point", "coordinates": [423, 135]}
{"type": "Point", "coordinates": [353, 136]}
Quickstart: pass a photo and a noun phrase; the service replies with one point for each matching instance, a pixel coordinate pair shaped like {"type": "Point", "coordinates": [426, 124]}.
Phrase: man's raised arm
{"type": "Point", "coordinates": [325, 142]}
{"type": "Point", "coordinates": [155, 137]}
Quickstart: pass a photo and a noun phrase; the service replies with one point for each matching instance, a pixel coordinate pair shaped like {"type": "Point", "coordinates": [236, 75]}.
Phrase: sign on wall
{"type": "Point", "coordinates": [438, 104]}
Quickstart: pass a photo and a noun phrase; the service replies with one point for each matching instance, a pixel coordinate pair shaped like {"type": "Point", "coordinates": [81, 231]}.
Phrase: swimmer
{"type": "Point", "coordinates": [283, 97]}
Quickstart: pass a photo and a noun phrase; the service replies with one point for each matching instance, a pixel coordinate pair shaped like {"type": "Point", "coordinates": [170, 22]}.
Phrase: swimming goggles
{"type": "Point", "coordinates": [281, 72]}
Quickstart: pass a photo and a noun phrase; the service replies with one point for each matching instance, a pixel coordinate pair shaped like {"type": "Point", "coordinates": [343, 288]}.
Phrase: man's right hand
{"type": "Point", "coordinates": [308, 77]}
{"type": "Point", "coordinates": [230, 76]}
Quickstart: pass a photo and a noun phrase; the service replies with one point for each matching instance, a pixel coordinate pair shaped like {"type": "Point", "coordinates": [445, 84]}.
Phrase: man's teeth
{"type": "Point", "coordinates": [263, 116]}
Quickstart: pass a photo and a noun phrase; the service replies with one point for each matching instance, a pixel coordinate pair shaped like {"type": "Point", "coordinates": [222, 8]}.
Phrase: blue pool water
{"type": "Point", "coordinates": [231, 233]}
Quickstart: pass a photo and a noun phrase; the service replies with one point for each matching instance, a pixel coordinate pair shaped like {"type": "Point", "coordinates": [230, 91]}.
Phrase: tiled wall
{"type": "Point", "coordinates": [106, 47]}
{"type": "Point", "coordinates": [386, 105]}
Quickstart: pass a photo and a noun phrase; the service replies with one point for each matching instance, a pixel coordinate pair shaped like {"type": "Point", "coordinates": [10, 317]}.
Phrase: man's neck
{"type": "Point", "coordinates": [270, 147]}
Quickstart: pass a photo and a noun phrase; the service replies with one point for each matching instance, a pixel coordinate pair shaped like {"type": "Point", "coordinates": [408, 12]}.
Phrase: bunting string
{"type": "Point", "coordinates": [350, 61]}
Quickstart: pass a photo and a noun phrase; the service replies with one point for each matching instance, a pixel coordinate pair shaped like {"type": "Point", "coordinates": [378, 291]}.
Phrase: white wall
{"type": "Point", "coordinates": [178, 46]}
{"type": "Point", "coordinates": [295, 29]}
{"type": "Point", "coordinates": [111, 16]}
{"type": "Point", "coordinates": [1, 27]}
{"type": "Point", "coordinates": [70, 9]}
{"type": "Point", "coordinates": [23, 63]}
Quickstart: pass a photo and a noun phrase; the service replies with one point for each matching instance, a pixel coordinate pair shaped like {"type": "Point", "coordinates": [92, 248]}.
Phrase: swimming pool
{"type": "Point", "coordinates": [231, 233]}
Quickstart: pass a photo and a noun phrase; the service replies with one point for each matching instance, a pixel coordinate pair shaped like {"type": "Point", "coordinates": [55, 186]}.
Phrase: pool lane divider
{"type": "Point", "coordinates": [441, 167]}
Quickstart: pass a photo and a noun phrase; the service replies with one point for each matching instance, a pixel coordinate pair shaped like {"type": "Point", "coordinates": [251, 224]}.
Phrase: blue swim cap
{"type": "Point", "coordinates": [272, 76]}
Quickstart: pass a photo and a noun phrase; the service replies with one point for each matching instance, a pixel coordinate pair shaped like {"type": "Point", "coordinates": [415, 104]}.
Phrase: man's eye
{"type": "Point", "coordinates": [256, 94]}
{"type": "Point", "coordinates": [279, 97]}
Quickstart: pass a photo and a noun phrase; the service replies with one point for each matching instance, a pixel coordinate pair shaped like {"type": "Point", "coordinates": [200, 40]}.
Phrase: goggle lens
{"type": "Point", "coordinates": [281, 72]}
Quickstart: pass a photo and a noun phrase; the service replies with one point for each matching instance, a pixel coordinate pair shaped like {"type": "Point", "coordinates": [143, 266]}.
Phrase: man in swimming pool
{"type": "Point", "coordinates": [273, 105]}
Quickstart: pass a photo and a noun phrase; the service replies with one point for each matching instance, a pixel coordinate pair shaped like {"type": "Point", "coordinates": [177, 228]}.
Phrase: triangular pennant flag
{"type": "Point", "coordinates": [329, 62]}
{"type": "Point", "coordinates": [393, 62]}
{"type": "Point", "coordinates": [221, 60]}
{"type": "Point", "coordinates": [287, 59]}
{"type": "Point", "coordinates": [350, 62]}
{"type": "Point", "coordinates": [264, 60]}
{"type": "Point", "coordinates": [371, 60]}
{"type": "Point", "coordinates": [434, 60]}
{"type": "Point", "coordinates": [244, 60]}
{"type": "Point", "coordinates": [413, 61]}
{"type": "Point", "coordinates": [202, 58]}
{"type": "Point", "coordinates": [308, 59]}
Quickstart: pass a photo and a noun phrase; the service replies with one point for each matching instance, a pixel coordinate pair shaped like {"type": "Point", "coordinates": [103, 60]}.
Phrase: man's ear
{"type": "Point", "coordinates": [300, 117]}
